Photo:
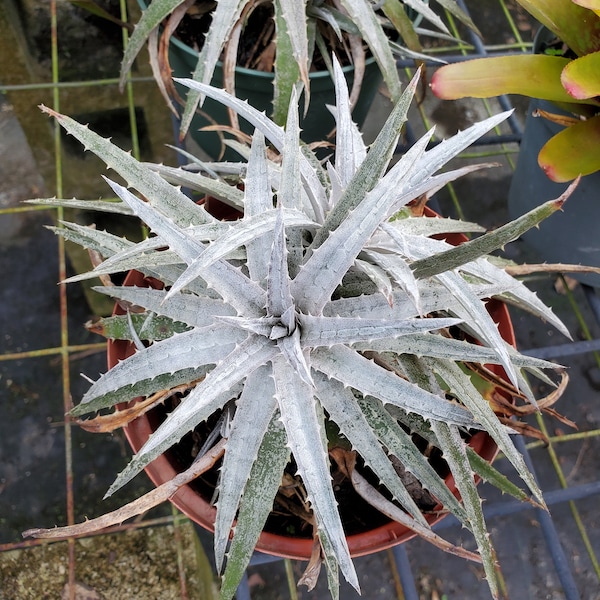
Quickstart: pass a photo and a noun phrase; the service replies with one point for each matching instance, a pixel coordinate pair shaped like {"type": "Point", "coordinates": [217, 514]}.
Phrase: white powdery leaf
{"type": "Point", "coordinates": [194, 310]}
{"type": "Point", "coordinates": [434, 297]}
{"type": "Point", "coordinates": [190, 349]}
{"type": "Point", "coordinates": [428, 226]}
{"type": "Point", "coordinates": [159, 193]}
{"type": "Point", "coordinates": [400, 272]}
{"type": "Point", "coordinates": [347, 135]}
{"type": "Point", "coordinates": [378, 276]}
{"type": "Point", "coordinates": [423, 344]}
{"type": "Point", "coordinates": [270, 130]}
{"type": "Point", "coordinates": [215, 188]}
{"type": "Point", "coordinates": [218, 387]}
{"type": "Point", "coordinates": [328, 331]}
{"type": "Point", "coordinates": [257, 405]}
{"type": "Point", "coordinates": [258, 199]}
{"type": "Point", "coordinates": [352, 369]}
{"type": "Point", "coordinates": [229, 282]}
{"type": "Point", "coordinates": [297, 408]}
{"type": "Point", "coordinates": [324, 270]}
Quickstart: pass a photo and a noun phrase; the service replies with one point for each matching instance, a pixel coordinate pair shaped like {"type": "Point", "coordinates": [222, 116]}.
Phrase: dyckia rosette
{"type": "Point", "coordinates": [326, 302]}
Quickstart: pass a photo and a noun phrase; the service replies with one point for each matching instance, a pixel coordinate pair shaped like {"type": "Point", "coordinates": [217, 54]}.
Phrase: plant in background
{"type": "Point", "coordinates": [568, 75]}
{"type": "Point", "coordinates": [286, 43]}
{"type": "Point", "coordinates": [325, 324]}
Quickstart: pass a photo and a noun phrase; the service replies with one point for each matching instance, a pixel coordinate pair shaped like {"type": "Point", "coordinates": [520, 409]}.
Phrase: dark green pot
{"type": "Point", "coordinates": [257, 88]}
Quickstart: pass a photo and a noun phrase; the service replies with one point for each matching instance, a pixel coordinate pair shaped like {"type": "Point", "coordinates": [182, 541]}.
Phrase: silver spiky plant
{"type": "Point", "coordinates": [327, 302]}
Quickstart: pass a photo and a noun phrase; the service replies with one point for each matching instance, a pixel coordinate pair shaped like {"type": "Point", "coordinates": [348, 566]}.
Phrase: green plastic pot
{"type": "Point", "coordinates": [257, 88]}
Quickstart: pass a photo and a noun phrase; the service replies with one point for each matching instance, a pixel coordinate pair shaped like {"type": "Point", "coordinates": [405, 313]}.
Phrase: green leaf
{"type": "Point", "coordinates": [533, 75]}
{"type": "Point", "coordinates": [147, 327]}
{"type": "Point", "coordinates": [455, 454]}
{"type": "Point", "coordinates": [396, 13]}
{"type": "Point", "coordinates": [490, 474]}
{"type": "Point", "coordinates": [578, 27]}
{"type": "Point", "coordinates": [454, 9]}
{"type": "Point", "coordinates": [568, 154]}
{"type": "Point", "coordinates": [485, 244]}
{"type": "Point", "coordinates": [400, 444]}
{"type": "Point", "coordinates": [224, 18]}
{"type": "Point", "coordinates": [466, 392]}
{"type": "Point", "coordinates": [151, 18]}
{"type": "Point", "coordinates": [581, 77]}
{"type": "Point", "coordinates": [256, 504]}
{"type": "Point", "coordinates": [287, 69]}
{"type": "Point", "coordinates": [93, 8]}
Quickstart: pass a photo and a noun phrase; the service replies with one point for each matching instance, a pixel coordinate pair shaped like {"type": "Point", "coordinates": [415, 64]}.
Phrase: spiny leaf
{"type": "Point", "coordinates": [454, 449]}
{"type": "Point", "coordinates": [299, 417]}
{"type": "Point", "coordinates": [217, 388]}
{"type": "Point", "coordinates": [351, 369]}
{"type": "Point", "coordinates": [256, 504]}
{"type": "Point", "coordinates": [468, 251]}
{"type": "Point", "coordinates": [198, 347]}
{"type": "Point", "coordinates": [242, 451]}
{"type": "Point", "coordinates": [158, 192]}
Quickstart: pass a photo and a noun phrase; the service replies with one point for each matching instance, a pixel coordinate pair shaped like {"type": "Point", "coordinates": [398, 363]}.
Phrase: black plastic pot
{"type": "Point", "coordinates": [570, 236]}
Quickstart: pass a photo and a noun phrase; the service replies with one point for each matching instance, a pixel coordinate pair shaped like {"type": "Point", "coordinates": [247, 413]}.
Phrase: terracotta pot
{"type": "Point", "coordinates": [199, 510]}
